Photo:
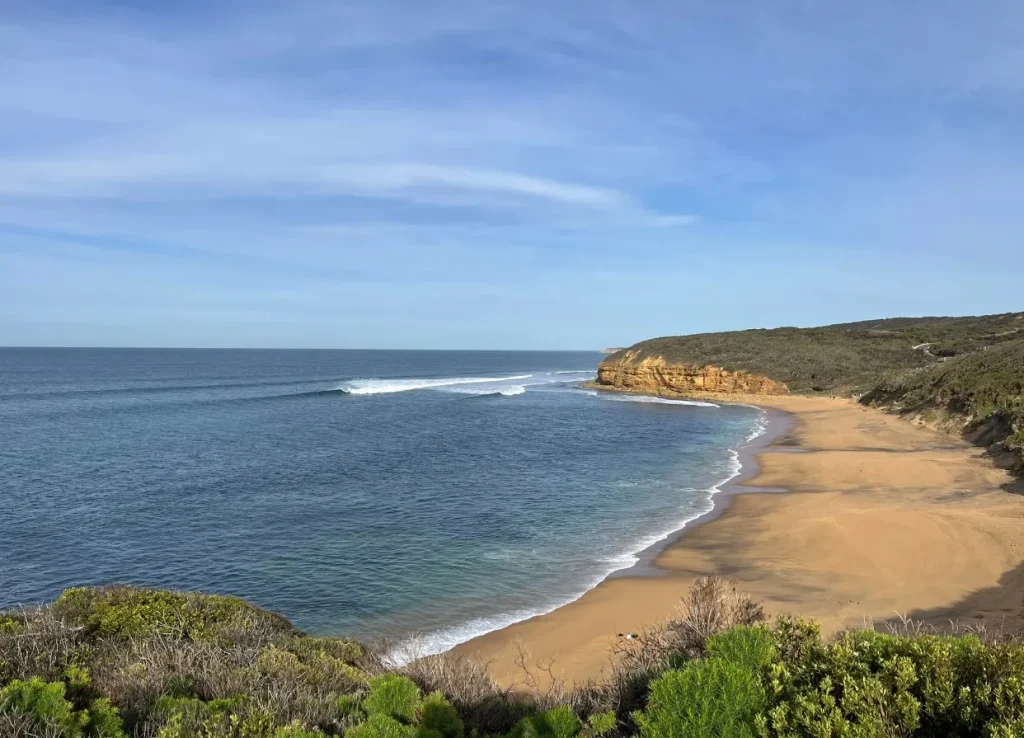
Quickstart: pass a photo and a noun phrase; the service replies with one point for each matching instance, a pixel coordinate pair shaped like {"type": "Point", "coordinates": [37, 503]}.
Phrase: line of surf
{"type": "Point", "coordinates": [161, 389]}
{"type": "Point", "coordinates": [658, 400]}
{"type": "Point", "coordinates": [388, 386]}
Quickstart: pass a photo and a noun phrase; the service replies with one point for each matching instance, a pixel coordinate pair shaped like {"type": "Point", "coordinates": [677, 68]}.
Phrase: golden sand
{"type": "Point", "coordinates": [881, 517]}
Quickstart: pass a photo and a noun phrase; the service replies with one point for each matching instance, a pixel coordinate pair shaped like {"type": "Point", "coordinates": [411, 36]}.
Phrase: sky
{"type": "Point", "coordinates": [489, 175]}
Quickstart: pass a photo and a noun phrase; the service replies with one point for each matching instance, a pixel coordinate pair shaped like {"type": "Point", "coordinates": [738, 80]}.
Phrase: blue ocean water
{"type": "Point", "coordinates": [365, 493]}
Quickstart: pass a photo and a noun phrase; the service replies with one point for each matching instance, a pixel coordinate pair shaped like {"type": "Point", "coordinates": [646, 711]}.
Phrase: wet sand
{"type": "Point", "coordinates": [878, 517]}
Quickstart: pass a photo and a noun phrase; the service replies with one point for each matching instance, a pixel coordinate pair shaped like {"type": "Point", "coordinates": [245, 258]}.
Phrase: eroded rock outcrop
{"type": "Point", "coordinates": [654, 375]}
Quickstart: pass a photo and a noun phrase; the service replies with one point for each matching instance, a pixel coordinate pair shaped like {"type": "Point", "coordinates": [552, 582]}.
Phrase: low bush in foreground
{"type": "Point", "coordinates": [125, 662]}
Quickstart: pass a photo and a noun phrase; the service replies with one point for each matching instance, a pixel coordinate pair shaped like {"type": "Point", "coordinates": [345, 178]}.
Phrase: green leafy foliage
{"type": "Point", "coordinates": [873, 684]}
{"type": "Point", "coordinates": [104, 721]}
{"type": "Point", "coordinates": [437, 714]}
{"type": "Point", "coordinates": [752, 647]}
{"type": "Point", "coordinates": [132, 611]}
{"type": "Point", "coordinates": [395, 696]}
{"type": "Point", "coordinates": [559, 722]}
{"type": "Point", "coordinates": [379, 725]}
{"type": "Point", "coordinates": [185, 717]}
{"type": "Point", "coordinates": [63, 679]}
{"type": "Point", "coordinates": [712, 697]}
{"type": "Point", "coordinates": [44, 703]}
{"type": "Point", "coordinates": [721, 695]}
{"type": "Point", "coordinates": [43, 706]}
{"type": "Point", "coordinates": [601, 723]}
{"type": "Point", "coordinates": [10, 625]}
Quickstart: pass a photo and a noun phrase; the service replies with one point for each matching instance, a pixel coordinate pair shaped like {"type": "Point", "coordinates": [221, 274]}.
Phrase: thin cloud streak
{"type": "Point", "coordinates": [498, 152]}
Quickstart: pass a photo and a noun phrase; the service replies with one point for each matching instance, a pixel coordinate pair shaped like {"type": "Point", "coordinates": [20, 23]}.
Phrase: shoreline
{"type": "Point", "coordinates": [877, 516]}
{"type": "Point", "coordinates": [777, 424]}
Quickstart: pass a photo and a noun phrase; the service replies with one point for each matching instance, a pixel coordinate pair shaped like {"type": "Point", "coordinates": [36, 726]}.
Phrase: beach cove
{"type": "Point", "coordinates": [853, 515]}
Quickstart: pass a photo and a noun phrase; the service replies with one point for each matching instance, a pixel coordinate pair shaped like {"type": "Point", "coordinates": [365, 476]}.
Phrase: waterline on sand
{"type": "Point", "coordinates": [439, 641]}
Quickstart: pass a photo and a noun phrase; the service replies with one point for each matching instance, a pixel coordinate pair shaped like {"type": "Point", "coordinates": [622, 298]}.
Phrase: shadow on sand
{"type": "Point", "coordinates": [999, 608]}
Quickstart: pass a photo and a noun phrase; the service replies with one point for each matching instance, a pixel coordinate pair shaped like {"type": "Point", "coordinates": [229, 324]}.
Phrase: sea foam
{"type": "Point", "coordinates": [388, 386]}
{"type": "Point", "coordinates": [658, 400]}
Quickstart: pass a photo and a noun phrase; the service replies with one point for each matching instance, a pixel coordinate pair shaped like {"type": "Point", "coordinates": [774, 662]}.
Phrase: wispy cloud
{"type": "Point", "coordinates": [388, 151]}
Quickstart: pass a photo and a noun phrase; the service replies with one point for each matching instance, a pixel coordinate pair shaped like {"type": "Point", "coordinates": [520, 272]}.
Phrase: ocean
{"type": "Point", "coordinates": [433, 495]}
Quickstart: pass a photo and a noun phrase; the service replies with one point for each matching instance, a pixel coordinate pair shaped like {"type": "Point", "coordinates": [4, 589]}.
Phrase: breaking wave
{"type": "Point", "coordinates": [658, 400]}
{"type": "Point", "coordinates": [512, 391]}
{"type": "Point", "coordinates": [388, 386]}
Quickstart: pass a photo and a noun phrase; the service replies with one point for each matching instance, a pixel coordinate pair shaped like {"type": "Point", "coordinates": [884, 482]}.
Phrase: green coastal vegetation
{"type": "Point", "coordinates": [123, 661]}
{"type": "Point", "coordinates": [965, 374]}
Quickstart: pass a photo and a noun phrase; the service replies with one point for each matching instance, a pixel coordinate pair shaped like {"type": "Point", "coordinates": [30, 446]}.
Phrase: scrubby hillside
{"type": "Point", "coordinates": [980, 394]}
{"type": "Point", "coordinates": [843, 358]}
{"type": "Point", "coordinates": [124, 662]}
{"type": "Point", "coordinates": [963, 374]}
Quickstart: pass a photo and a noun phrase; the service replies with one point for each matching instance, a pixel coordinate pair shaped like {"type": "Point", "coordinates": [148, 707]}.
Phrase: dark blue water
{"type": "Point", "coordinates": [364, 493]}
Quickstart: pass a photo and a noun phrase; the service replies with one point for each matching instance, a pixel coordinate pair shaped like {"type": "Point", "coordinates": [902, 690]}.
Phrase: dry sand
{"type": "Point", "coordinates": [881, 517]}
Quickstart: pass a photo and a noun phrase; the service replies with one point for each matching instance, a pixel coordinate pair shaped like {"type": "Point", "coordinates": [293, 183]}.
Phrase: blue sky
{"type": "Point", "coordinates": [502, 174]}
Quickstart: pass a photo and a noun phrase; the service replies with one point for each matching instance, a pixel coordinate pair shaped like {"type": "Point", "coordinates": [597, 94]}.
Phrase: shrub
{"type": "Point", "coordinates": [707, 698]}
{"type": "Point", "coordinates": [711, 672]}
{"type": "Point", "coordinates": [869, 683]}
{"type": "Point", "coordinates": [480, 702]}
{"type": "Point", "coordinates": [104, 720]}
{"type": "Point", "coordinates": [601, 723]}
{"type": "Point", "coordinates": [39, 645]}
{"type": "Point", "coordinates": [752, 647]}
{"type": "Point", "coordinates": [396, 696]}
{"type": "Point", "coordinates": [713, 605]}
{"type": "Point", "coordinates": [379, 725]}
{"type": "Point", "coordinates": [315, 668]}
{"type": "Point", "coordinates": [127, 612]}
{"type": "Point", "coordinates": [10, 625]}
{"type": "Point", "coordinates": [296, 730]}
{"type": "Point", "coordinates": [188, 717]}
{"type": "Point", "coordinates": [35, 705]}
{"type": "Point", "coordinates": [44, 704]}
{"type": "Point", "coordinates": [559, 722]}
{"type": "Point", "coordinates": [437, 714]}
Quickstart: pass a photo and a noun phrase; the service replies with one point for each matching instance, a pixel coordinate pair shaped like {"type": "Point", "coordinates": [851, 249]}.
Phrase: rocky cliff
{"type": "Point", "coordinates": [628, 371]}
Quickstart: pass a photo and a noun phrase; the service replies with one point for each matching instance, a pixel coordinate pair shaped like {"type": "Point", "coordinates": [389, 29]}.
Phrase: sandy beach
{"type": "Point", "coordinates": [867, 516]}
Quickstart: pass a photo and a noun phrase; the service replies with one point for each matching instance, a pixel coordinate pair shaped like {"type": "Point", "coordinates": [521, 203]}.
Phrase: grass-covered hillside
{"type": "Point", "coordinates": [844, 358]}
{"type": "Point", "coordinates": [123, 662]}
{"type": "Point", "coordinates": [981, 393]}
{"type": "Point", "coordinates": [966, 374]}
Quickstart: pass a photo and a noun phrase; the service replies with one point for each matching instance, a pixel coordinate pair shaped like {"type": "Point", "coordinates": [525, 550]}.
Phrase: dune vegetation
{"type": "Point", "coordinates": [980, 393]}
{"type": "Point", "coordinates": [121, 661]}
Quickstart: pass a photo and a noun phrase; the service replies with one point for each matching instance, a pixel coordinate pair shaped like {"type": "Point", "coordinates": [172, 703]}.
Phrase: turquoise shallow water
{"type": "Point", "coordinates": [357, 492]}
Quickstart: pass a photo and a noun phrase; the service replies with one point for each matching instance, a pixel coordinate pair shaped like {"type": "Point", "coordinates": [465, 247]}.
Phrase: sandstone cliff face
{"type": "Point", "coordinates": [654, 375]}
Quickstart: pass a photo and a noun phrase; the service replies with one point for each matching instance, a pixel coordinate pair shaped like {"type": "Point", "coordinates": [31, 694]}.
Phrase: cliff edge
{"type": "Point", "coordinates": [964, 375]}
{"type": "Point", "coordinates": [630, 372]}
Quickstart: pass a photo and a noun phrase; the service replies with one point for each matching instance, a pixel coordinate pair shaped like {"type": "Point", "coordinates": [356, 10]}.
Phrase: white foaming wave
{"type": "Point", "coordinates": [658, 400]}
{"type": "Point", "coordinates": [625, 561]}
{"type": "Point", "coordinates": [576, 371]}
{"type": "Point", "coordinates": [443, 640]}
{"type": "Point", "coordinates": [387, 386]}
{"type": "Point", "coordinates": [759, 429]}
{"type": "Point", "coordinates": [511, 391]}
